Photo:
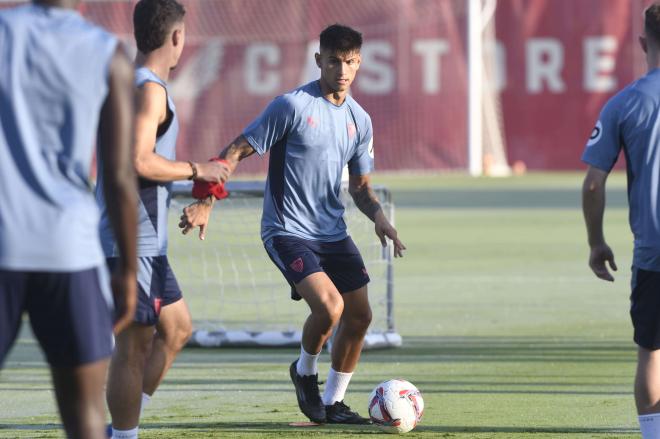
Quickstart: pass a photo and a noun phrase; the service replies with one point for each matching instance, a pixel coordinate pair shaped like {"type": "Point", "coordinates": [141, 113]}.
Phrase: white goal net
{"type": "Point", "coordinates": [237, 296]}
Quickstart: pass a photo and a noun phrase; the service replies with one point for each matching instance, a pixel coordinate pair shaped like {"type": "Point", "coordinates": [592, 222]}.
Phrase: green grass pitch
{"type": "Point", "coordinates": [506, 332]}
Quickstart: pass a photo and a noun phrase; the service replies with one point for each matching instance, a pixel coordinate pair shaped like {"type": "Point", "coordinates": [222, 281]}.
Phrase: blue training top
{"type": "Point", "coordinates": [310, 141]}
{"type": "Point", "coordinates": [630, 120]}
{"type": "Point", "coordinates": [154, 199]}
{"type": "Point", "coordinates": [53, 82]}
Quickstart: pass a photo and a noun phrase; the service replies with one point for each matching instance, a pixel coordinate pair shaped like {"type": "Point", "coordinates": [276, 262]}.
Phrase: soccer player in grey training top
{"type": "Point", "coordinates": [146, 350]}
{"type": "Point", "coordinates": [312, 133]}
{"type": "Point", "coordinates": [58, 74]}
{"type": "Point", "coordinates": [631, 121]}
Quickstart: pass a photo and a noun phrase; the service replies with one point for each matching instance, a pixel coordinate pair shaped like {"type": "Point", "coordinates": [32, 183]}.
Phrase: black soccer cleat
{"type": "Point", "coordinates": [340, 413]}
{"type": "Point", "coordinates": [308, 395]}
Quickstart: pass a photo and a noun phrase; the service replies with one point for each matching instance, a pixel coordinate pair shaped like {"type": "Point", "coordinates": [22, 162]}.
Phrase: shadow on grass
{"type": "Point", "coordinates": [280, 428]}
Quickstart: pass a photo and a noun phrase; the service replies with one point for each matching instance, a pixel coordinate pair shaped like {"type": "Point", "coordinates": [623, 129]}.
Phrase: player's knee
{"type": "Point", "coordinates": [360, 321]}
{"type": "Point", "coordinates": [177, 337]}
{"type": "Point", "coordinates": [134, 353]}
{"type": "Point", "coordinates": [331, 310]}
{"type": "Point", "coordinates": [184, 333]}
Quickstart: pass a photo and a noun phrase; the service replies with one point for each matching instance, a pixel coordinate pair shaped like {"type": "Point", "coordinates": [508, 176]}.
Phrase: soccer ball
{"type": "Point", "coordinates": [396, 406]}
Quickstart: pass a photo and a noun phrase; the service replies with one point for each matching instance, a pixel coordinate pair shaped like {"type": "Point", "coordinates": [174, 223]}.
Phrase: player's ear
{"type": "Point", "coordinates": [643, 43]}
{"type": "Point", "coordinates": [317, 57]}
{"type": "Point", "coordinates": [177, 37]}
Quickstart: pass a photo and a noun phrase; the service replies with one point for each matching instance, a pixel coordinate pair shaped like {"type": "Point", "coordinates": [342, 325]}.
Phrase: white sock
{"type": "Point", "coordinates": [335, 387]}
{"type": "Point", "coordinates": [650, 426]}
{"type": "Point", "coordinates": [145, 402]}
{"type": "Point", "coordinates": [125, 434]}
{"type": "Point", "coordinates": [307, 363]}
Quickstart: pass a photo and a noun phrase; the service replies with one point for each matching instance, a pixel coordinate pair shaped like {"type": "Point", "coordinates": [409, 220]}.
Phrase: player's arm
{"type": "Point", "coordinates": [264, 132]}
{"type": "Point", "coordinates": [151, 101]}
{"type": "Point", "coordinates": [115, 131]}
{"type": "Point", "coordinates": [593, 207]}
{"type": "Point", "coordinates": [366, 200]}
{"type": "Point", "coordinates": [198, 213]}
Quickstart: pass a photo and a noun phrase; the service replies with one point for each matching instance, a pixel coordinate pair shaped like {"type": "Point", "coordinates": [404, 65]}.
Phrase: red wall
{"type": "Point", "coordinates": [561, 59]}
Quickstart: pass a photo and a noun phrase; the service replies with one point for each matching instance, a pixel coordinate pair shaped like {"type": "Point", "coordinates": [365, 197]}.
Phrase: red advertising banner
{"type": "Point", "coordinates": [562, 60]}
{"type": "Point", "coordinates": [558, 62]}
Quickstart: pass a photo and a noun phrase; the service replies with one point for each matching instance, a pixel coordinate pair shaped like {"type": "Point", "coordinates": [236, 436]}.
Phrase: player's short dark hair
{"type": "Point", "coordinates": [652, 22]}
{"type": "Point", "coordinates": [153, 20]}
{"type": "Point", "coordinates": [340, 39]}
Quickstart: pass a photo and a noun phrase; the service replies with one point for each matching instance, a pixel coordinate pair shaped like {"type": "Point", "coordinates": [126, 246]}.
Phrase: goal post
{"type": "Point", "coordinates": [236, 295]}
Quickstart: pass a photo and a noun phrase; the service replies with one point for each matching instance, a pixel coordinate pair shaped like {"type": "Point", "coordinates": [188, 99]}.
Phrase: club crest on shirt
{"type": "Point", "coordinates": [311, 122]}
{"type": "Point", "coordinates": [297, 265]}
{"type": "Point", "coordinates": [351, 130]}
{"type": "Point", "coordinates": [596, 134]}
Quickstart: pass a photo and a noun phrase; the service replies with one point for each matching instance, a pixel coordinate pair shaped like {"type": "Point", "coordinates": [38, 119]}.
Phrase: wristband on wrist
{"type": "Point", "coordinates": [193, 167]}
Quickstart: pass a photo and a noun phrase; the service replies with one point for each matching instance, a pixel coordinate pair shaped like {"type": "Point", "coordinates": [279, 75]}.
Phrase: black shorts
{"type": "Point", "coordinates": [157, 287]}
{"type": "Point", "coordinates": [645, 308]}
{"type": "Point", "coordinates": [70, 313]}
{"type": "Point", "coordinates": [297, 258]}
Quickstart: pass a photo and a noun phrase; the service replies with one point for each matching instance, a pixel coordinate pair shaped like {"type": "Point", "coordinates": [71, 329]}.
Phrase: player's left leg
{"type": "Point", "coordinates": [349, 337]}
{"type": "Point", "coordinates": [79, 393]}
{"type": "Point", "coordinates": [173, 330]}
{"type": "Point", "coordinates": [645, 313]}
{"type": "Point", "coordinates": [70, 316]}
{"type": "Point", "coordinates": [346, 349]}
{"type": "Point", "coordinates": [647, 392]}
{"type": "Point", "coordinates": [343, 263]}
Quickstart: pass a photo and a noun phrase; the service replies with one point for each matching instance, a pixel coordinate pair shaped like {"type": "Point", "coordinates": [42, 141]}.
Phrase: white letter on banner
{"type": "Point", "coordinates": [379, 77]}
{"type": "Point", "coordinates": [431, 51]}
{"type": "Point", "coordinates": [599, 63]}
{"type": "Point", "coordinates": [545, 59]}
{"type": "Point", "coordinates": [258, 83]}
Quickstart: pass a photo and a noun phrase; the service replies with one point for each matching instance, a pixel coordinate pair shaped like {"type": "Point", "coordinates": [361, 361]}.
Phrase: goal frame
{"type": "Point", "coordinates": [386, 337]}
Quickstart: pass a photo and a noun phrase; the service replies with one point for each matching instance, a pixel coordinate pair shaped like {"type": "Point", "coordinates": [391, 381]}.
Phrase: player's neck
{"type": "Point", "coordinates": [653, 63]}
{"type": "Point", "coordinates": [154, 62]}
{"type": "Point", "coordinates": [334, 97]}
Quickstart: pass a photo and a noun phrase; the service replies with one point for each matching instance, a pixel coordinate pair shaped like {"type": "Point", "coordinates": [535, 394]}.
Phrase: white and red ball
{"type": "Point", "coordinates": [396, 406]}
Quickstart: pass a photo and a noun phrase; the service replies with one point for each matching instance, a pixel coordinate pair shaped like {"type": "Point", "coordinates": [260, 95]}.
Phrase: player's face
{"type": "Point", "coordinates": [338, 69]}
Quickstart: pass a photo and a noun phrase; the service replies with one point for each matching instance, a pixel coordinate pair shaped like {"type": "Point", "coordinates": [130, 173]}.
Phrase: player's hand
{"type": "Point", "coordinates": [197, 214]}
{"type": "Point", "coordinates": [385, 229]}
{"type": "Point", "coordinates": [124, 292]}
{"type": "Point", "coordinates": [599, 255]}
{"type": "Point", "coordinates": [213, 172]}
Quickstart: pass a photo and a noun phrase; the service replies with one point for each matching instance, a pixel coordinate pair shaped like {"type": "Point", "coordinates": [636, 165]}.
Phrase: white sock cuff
{"type": "Point", "coordinates": [335, 386]}
{"type": "Point", "coordinates": [341, 374]}
{"type": "Point", "coordinates": [307, 363]}
{"type": "Point", "coordinates": [125, 434]}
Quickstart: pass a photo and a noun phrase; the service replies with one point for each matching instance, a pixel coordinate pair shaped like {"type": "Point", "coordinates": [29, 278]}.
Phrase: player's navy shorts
{"type": "Point", "coordinates": [645, 308]}
{"type": "Point", "coordinates": [70, 313]}
{"type": "Point", "coordinates": [157, 287]}
{"type": "Point", "coordinates": [297, 258]}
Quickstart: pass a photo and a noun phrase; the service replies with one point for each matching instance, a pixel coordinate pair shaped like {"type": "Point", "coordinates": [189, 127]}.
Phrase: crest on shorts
{"type": "Point", "coordinates": [297, 265]}
{"type": "Point", "coordinates": [157, 303]}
